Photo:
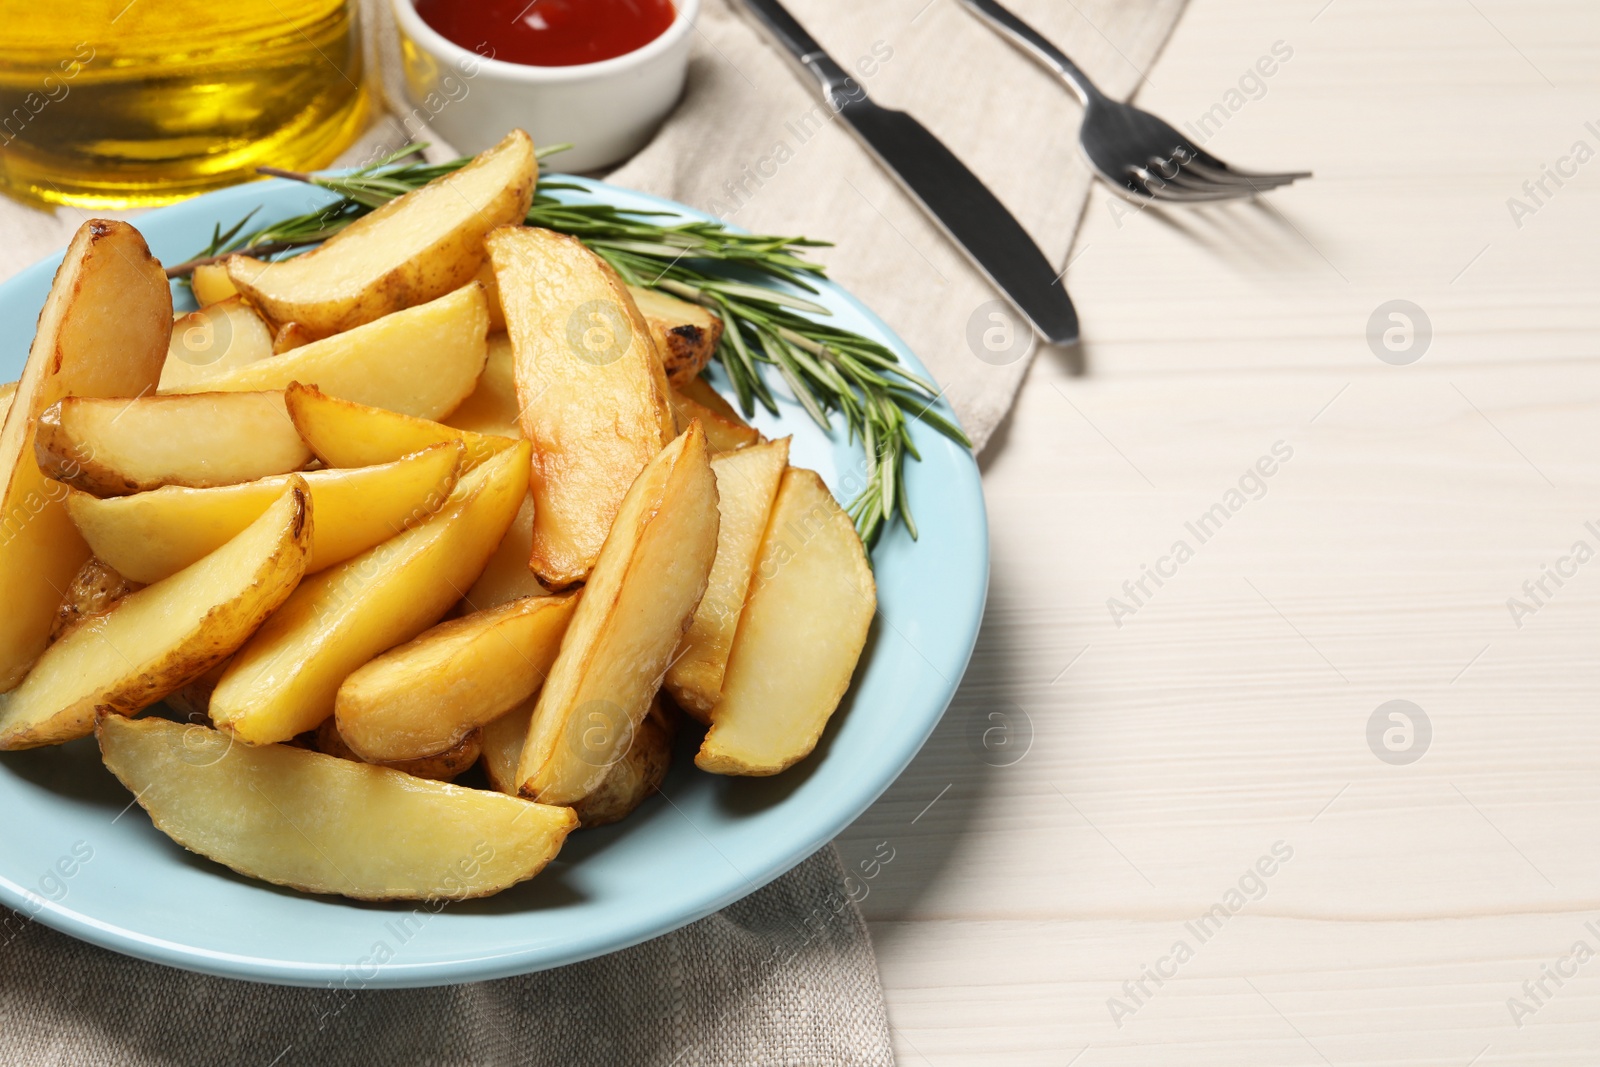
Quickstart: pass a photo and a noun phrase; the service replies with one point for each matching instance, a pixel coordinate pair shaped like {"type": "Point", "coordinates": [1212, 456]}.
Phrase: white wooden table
{"type": "Point", "coordinates": [1157, 761]}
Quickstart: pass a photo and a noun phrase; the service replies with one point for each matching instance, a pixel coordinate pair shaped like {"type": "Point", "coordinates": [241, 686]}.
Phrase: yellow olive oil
{"type": "Point", "coordinates": [112, 103]}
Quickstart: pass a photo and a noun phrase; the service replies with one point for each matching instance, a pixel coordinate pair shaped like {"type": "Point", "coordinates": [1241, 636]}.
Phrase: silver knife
{"type": "Point", "coordinates": [952, 195]}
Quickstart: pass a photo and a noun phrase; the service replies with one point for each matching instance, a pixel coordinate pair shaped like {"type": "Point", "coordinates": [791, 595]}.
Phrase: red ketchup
{"type": "Point", "coordinates": [549, 33]}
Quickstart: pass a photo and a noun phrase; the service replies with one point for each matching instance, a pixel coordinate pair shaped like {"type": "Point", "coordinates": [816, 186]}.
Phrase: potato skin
{"type": "Point", "coordinates": [95, 589]}
{"type": "Point", "coordinates": [635, 777]}
{"type": "Point", "coordinates": [193, 701]}
{"type": "Point", "coordinates": [441, 767]}
{"type": "Point", "coordinates": [68, 461]}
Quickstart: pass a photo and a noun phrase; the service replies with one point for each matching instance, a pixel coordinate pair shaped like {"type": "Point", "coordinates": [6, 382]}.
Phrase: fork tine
{"type": "Point", "coordinates": [1159, 188]}
{"type": "Point", "coordinates": [1216, 170]}
{"type": "Point", "coordinates": [1169, 195]}
{"type": "Point", "coordinates": [1189, 177]}
{"type": "Point", "coordinates": [1189, 181]}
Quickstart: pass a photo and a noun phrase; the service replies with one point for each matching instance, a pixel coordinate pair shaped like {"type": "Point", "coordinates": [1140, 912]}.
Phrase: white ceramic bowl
{"type": "Point", "coordinates": [607, 111]}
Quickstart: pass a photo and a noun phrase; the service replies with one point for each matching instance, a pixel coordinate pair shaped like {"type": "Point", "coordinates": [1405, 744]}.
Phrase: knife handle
{"type": "Point", "coordinates": [837, 85]}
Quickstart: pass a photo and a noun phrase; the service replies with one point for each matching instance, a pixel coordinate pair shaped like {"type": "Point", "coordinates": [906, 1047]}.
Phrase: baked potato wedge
{"type": "Point", "coordinates": [211, 285]}
{"type": "Point", "coordinates": [491, 290]}
{"type": "Point", "coordinates": [111, 447]}
{"type": "Point", "coordinates": [95, 590]}
{"type": "Point", "coordinates": [502, 746]}
{"type": "Point", "coordinates": [103, 332]}
{"type": "Point", "coordinates": [345, 434]}
{"type": "Point", "coordinates": [635, 608]}
{"type": "Point", "coordinates": [217, 338]}
{"type": "Point", "coordinates": [629, 782]}
{"type": "Point", "coordinates": [413, 249]}
{"type": "Point", "coordinates": [156, 640]}
{"type": "Point", "coordinates": [422, 361]}
{"type": "Point", "coordinates": [507, 575]}
{"type": "Point", "coordinates": [802, 630]}
{"type": "Point", "coordinates": [722, 434]}
{"type": "Point", "coordinates": [591, 393]}
{"type": "Point", "coordinates": [699, 390]}
{"type": "Point", "coordinates": [440, 767]}
{"type": "Point", "coordinates": [747, 484]}
{"type": "Point", "coordinates": [635, 777]}
{"type": "Point", "coordinates": [424, 697]}
{"type": "Point", "coordinates": [283, 681]}
{"type": "Point", "coordinates": [148, 536]}
{"type": "Point", "coordinates": [685, 334]}
{"type": "Point", "coordinates": [492, 407]}
{"type": "Point", "coordinates": [322, 824]}
{"type": "Point", "coordinates": [289, 336]}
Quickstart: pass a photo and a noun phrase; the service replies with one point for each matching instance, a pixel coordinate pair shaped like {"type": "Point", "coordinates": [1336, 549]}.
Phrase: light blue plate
{"type": "Point", "coordinates": [76, 857]}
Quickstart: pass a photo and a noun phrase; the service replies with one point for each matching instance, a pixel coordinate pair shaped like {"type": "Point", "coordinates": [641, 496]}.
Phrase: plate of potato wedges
{"type": "Point", "coordinates": [429, 581]}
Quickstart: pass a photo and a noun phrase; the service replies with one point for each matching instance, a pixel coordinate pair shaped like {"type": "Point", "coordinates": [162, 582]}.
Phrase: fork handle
{"type": "Point", "coordinates": [1034, 44]}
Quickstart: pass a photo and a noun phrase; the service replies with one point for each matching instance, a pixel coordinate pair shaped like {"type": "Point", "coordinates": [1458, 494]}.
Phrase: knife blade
{"type": "Point", "coordinates": [953, 197]}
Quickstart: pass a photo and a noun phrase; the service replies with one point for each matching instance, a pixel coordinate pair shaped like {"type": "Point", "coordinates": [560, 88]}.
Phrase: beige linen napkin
{"type": "Point", "coordinates": [741, 146]}
{"type": "Point", "coordinates": [753, 984]}
{"type": "Point", "coordinates": [756, 983]}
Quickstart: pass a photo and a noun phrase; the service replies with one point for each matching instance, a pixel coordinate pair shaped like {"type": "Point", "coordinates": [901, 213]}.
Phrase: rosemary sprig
{"type": "Point", "coordinates": [753, 281]}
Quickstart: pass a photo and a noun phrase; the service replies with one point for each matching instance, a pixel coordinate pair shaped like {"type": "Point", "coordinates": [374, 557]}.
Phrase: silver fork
{"type": "Point", "coordinates": [1138, 155]}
